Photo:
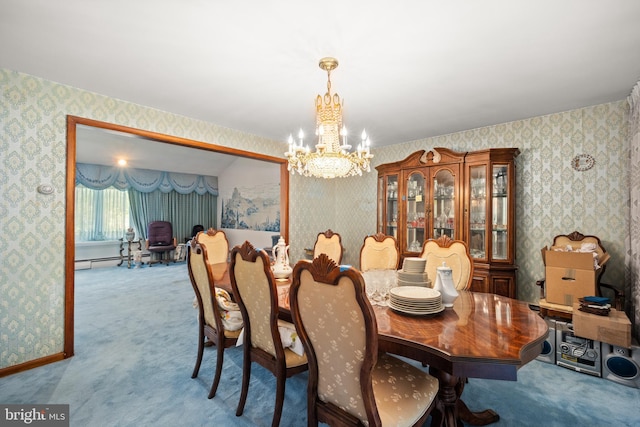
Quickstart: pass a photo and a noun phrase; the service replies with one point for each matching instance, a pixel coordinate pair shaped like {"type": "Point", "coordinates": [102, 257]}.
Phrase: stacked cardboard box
{"type": "Point", "coordinates": [570, 275]}
{"type": "Point", "coordinates": [613, 329]}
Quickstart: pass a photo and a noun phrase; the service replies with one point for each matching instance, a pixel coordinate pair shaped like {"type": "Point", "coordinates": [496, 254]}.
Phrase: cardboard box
{"type": "Point", "coordinates": [569, 275]}
{"type": "Point", "coordinates": [613, 329]}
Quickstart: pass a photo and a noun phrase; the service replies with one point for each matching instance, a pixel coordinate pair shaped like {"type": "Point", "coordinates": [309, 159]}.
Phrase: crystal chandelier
{"type": "Point", "coordinates": [332, 158]}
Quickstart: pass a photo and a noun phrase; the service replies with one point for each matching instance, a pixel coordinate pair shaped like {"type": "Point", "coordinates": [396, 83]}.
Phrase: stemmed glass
{"type": "Point", "coordinates": [370, 286]}
{"type": "Point", "coordinates": [377, 284]}
{"type": "Point", "coordinates": [388, 280]}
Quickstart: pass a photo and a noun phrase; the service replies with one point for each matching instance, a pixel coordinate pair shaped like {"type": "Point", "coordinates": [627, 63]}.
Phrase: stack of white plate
{"type": "Point", "coordinates": [413, 279]}
{"type": "Point", "coordinates": [415, 300]}
{"type": "Point", "coordinates": [412, 273]}
{"type": "Point", "coordinates": [414, 264]}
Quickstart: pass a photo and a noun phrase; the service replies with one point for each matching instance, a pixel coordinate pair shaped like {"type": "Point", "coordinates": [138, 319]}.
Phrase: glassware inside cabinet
{"type": "Point", "coordinates": [443, 204]}
{"type": "Point", "coordinates": [478, 212]}
{"type": "Point", "coordinates": [392, 206]}
{"type": "Point", "coordinates": [381, 199]}
{"type": "Point", "coordinates": [500, 217]}
{"type": "Point", "coordinates": [415, 212]}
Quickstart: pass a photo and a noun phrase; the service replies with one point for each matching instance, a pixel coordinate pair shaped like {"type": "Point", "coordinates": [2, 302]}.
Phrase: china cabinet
{"type": "Point", "coordinates": [468, 196]}
{"type": "Point", "coordinates": [419, 198]}
{"type": "Point", "coordinates": [490, 219]}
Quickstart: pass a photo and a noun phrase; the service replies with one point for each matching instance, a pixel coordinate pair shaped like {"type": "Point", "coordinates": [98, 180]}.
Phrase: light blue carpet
{"type": "Point", "coordinates": [135, 344]}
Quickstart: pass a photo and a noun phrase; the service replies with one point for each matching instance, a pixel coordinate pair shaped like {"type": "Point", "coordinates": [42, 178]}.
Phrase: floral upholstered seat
{"type": "Point", "coordinates": [217, 245]}
{"type": "Point", "coordinates": [210, 317]}
{"type": "Point", "coordinates": [255, 290]}
{"type": "Point", "coordinates": [329, 243]}
{"type": "Point", "coordinates": [379, 252]}
{"type": "Point", "coordinates": [455, 254]}
{"type": "Point", "coordinates": [350, 382]}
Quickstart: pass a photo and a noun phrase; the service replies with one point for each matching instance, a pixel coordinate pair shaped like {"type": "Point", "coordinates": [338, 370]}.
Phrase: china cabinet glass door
{"type": "Point", "coordinates": [381, 201]}
{"type": "Point", "coordinates": [478, 212]}
{"type": "Point", "coordinates": [391, 212]}
{"type": "Point", "coordinates": [415, 197]}
{"type": "Point", "coordinates": [443, 213]}
{"type": "Point", "coordinates": [500, 212]}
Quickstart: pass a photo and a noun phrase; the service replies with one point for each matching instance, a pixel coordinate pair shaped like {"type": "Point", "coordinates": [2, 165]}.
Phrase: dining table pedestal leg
{"type": "Point", "coordinates": [480, 418]}
{"type": "Point", "coordinates": [451, 410]}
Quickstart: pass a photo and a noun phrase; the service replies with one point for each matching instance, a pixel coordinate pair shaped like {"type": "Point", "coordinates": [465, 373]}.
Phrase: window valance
{"type": "Point", "coordinates": [99, 177]}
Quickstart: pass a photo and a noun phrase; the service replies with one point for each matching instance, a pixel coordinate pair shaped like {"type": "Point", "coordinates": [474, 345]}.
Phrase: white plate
{"type": "Point", "coordinates": [413, 277]}
{"type": "Point", "coordinates": [416, 313]}
{"type": "Point", "coordinates": [418, 304]}
{"type": "Point", "coordinates": [427, 308]}
{"type": "Point", "coordinates": [422, 301]}
{"type": "Point", "coordinates": [414, 292]}
{"type": "Point", "coordinates": [413, 269]}
{"type": "Point", "coordinates": [414, 264]}
{"type": "Point", "coordinates": [421, 284]}
{"type": "Point", "coordinates": [401, 282]}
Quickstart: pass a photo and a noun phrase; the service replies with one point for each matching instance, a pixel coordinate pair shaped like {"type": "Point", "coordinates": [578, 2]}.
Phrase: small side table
{"type": "Point", "coordinates": [129, 251]}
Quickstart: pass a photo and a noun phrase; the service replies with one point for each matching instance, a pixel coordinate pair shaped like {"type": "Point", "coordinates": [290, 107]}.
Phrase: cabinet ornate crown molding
{"type": "Point", "coordinates": [436, 157]}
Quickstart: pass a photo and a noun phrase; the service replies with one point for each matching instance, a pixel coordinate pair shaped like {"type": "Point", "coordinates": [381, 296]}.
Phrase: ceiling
{"type": "Point", "coordinates": [408, 70]}
{"type": "Point", "coordinates": [105, 147]}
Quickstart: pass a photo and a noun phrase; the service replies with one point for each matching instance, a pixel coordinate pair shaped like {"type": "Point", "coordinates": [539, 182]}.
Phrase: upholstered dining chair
{"type": "Point", "coordinates": [455, 253]}
{"type": "Point", "coordinates": [210, 323]}
{"type": "Point", "coordinates": [254, 288]}
{"type": "Point", "coordinates": [329, 243]}
{"type": "Point", "coordinates": [217, 245]}
{"type": "Point", "coordinates": [379, 252]}
{"type": "Point", "coordinates": [350, 382]}
{"type": "Point", "coordinates": [161, 241]}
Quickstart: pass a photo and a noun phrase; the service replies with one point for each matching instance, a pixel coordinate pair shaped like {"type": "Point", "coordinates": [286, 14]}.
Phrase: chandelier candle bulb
{"type": "Point", "coordinates": [290, 150]}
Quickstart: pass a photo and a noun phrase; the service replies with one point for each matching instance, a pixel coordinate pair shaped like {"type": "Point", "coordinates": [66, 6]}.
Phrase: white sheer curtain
{"type": "Point", "coordinates": [633, 243]}
{"type": "Point", "coordinates": [100, 214]}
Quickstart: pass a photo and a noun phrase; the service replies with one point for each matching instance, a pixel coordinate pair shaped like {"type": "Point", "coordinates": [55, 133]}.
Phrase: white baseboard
{"type": "Point", "coordinates": [82, 265]}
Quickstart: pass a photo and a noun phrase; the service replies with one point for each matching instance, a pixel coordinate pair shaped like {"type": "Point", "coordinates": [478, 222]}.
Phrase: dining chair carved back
{"type": "Point", "coordinates": [329, 243]}
{"type": "Point", "coordinates": [455, 253]}
{"type": "Point", "coordinates": [217, 245]}
{"type": "Point", "coordinates": [350, 382]}
{"type": "Point", "coordinates": [210, 323]}
{"type": "Point", "coordinates": [379, 252]}
{"type": "Point", "coordinates": [254, 288]}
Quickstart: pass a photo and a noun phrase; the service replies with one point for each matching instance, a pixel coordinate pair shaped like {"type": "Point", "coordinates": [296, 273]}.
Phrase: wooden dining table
{"type": "Point", "coordinates": [482, 336]}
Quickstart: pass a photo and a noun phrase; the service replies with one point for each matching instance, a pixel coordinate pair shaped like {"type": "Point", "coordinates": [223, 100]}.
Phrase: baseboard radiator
{"type": "Point", "coordinates": [86, 264]}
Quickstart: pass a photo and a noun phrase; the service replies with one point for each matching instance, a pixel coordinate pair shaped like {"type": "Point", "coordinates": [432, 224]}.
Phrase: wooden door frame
{"type": "Point", "coordinates": [72, 122]}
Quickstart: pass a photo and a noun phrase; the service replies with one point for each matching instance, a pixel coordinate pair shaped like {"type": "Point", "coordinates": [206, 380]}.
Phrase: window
{"type": "Point", "coordinates": [100, 214]}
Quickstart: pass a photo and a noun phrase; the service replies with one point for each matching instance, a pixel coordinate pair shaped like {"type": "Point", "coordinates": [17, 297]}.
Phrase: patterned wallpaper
{"type": "Point", "coordinates": [32, 242]}
{"type": "Point", "coordinates": [552, 197]}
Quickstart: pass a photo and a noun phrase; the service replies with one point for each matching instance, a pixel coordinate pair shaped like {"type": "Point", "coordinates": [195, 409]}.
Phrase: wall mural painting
{"type": "Point", "coordinates": [252, 208]}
